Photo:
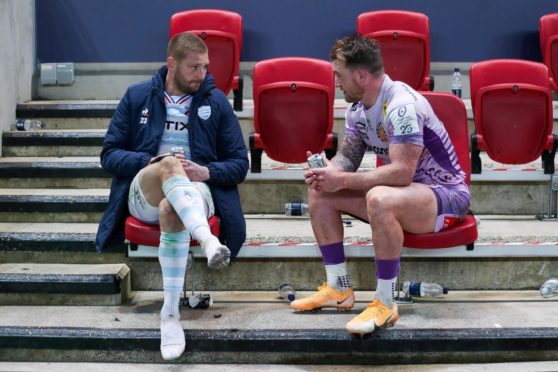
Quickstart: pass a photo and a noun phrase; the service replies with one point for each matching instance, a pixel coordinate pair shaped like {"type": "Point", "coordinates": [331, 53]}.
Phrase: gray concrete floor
{"type": "Point", "coordinates": [102, 367]}
{"type": "Point", "coordinates": [262, 310]}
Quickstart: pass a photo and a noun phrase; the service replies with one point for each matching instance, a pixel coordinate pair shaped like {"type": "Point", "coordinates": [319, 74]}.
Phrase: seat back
{"type": "Point", "coordinates": [221, 30]}
{"type": "Point", "coordinates": [512, 108]}
{"type": "Point", "coordinates": [404, 38]}
{"type": "Point", "coordinates": [293, 106]}
{"type": "Point", "coordinates": [548, 27]}
{"type": "Point", "coordinates": [451, 111]}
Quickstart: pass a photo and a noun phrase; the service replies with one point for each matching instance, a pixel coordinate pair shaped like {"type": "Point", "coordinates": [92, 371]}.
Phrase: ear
{"type": "Point", "coordinates": [171, 64]}
{"type": "Point", "coordinates": [362, 75]}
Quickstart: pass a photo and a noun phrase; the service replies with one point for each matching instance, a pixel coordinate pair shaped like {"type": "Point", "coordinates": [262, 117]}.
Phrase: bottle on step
{"type": "Point", "coordinates": [456, 82]}
{"type": "Point", "coordinates": [296, 209]}
{"type": "Point", "coordinates": [28, 124]}
{"type": "Point", "coordinates": [423, 289]}
{"type": "Point", "coordinates": [548, 288]}
{"type": "Point", "coordinates": [287, 292]}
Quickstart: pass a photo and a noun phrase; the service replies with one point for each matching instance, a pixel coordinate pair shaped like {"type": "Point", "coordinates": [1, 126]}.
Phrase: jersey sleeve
{"type": "Point", "coordinates": [350, 123]}
{"type": "Point", "coordinates": [404, 125]}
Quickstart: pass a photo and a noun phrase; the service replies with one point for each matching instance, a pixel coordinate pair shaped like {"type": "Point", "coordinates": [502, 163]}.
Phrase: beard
{"type": "Point", "coordinates": [354, 95]}
{"type": "Point", "coordinates": [349, 98]}
{"type": "Point", "coordinates": [187, 86]}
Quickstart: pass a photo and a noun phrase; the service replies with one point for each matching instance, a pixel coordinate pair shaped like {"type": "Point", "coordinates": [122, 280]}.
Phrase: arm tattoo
{"type": "Point", "coordinates": [350, 154]}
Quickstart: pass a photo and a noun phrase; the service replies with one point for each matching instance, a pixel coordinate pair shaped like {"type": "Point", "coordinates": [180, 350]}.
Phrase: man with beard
{"type": "Point", "coordinates": [179, 108]}
{"type": "Point", "coordinates": [420, 188]}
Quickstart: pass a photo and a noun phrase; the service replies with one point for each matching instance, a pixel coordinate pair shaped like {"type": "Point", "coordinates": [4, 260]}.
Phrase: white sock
{"type": "Point", "coordinates": [337, 276]}
{"type": "Point", "coordinates": [218, 255]}
{"type": "Point", "coordinates": [173, 341]}
{"type": "Point", "coordinates": [173, 256]}
{"type": "Point", "coordinates": [186, 201]}
{"type": "Point", "coordinates": [171, 305]}
{"type": "Point", "coordinates": [385, 291]}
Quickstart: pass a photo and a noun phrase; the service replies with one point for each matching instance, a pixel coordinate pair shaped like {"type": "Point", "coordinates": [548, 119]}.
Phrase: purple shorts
{"type": "Point", "coordinates": [453, 204]}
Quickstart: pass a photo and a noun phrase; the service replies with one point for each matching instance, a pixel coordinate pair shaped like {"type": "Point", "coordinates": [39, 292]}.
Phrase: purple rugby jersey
{"type": "Point", "coordinates": [401, 115]}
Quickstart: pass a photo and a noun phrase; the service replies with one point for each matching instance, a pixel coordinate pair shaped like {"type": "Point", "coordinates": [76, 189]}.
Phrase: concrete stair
{"type": "Point", "coordinates": [257, 328]}
{"type": "Point", "coordinates": [511, 254]}
{"type": "Point", "coordinates": [69, 142]}
{"type": "Point", "coordinates": [53, 190]}
{"type": "Point", "coordinates": [66, 153]}
{"type": "Point", "coordinates": [64, 284]}
{"type": "Point", "coordinates": [276, 185]}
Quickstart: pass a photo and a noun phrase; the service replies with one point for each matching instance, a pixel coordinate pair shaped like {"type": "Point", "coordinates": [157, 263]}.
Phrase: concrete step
{"type": "Point", "coordinates": [256, 328]}
{"type": "Point", "coordinates": [96, 114]}
{"type": "Point", "coordinates": [511, 253]}
{"type": "Point", "coordinates": [150, 367]}
{"type": "Point", "coordinates": [53, 172]}
{"type": "Point", "coordinates": [63, 284]}
{"type": "Point", "coordinates": [53, 143]}
{"type": "Point", "coordinates": [499, 189]}
{"type": "Point", "coordinates": [66, 109]}
{"type": "Point", "coordinates": [52, 205]}
{"type": "Point", "coordinates": [78, 192]}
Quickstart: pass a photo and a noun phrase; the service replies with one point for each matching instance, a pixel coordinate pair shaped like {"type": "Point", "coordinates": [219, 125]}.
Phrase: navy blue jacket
{"type": "Point", "coordinates": [216, 142]}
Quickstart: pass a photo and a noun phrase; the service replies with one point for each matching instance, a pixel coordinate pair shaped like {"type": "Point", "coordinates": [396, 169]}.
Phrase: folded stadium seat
{"type": "Point", "coordinates": [222, 32]}
{"type": "Point", "coordinates": [512, 109]}
{"type": "Point", "coordinates": [139, 233]}
{"type": "Point", "coordinates": [451, 111]}
{"type": "Point", "coordinates": [404, 39]}
{"type": "Point", "coordinates": [548, 27]}
{"type": "Point", "coordinates": [293, 110]}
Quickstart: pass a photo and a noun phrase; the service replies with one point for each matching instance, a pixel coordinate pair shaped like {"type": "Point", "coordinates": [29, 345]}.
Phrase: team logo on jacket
{"type": "Point", "coordinates": [204, 112]}
{"type": "Point", "coordinates": [144, 116]}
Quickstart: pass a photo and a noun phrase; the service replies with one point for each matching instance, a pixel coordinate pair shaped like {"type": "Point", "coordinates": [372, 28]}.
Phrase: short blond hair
{"type": "Point", "coordinates": [181, 44]}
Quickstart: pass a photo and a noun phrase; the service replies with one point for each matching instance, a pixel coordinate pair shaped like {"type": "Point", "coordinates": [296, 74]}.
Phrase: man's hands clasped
{"type": "Point", "coordinates": [328, 179]}
{"type": "Point", "coordinates": [194, 171]}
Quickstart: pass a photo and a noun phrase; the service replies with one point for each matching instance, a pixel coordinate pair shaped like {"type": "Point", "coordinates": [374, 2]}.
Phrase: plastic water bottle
{"type": "Point", "coordinates": [548, 288]}
{"type": "Point", "coordinates": [29, 124]}
{"type": "Point", "coordinates": [296, 209]}
{"type": "Point", "coordinates": [422, 289]}
{"type": "Point", "coordinates": [287, 292]}
{"type": "Point", "coordinates": [456, 82]}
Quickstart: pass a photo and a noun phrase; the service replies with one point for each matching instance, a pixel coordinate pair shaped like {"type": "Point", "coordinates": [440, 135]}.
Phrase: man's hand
{"type": "Point", "coordinates": [194, 171]}
{"type": "Point", "coordinates": [329, 179]}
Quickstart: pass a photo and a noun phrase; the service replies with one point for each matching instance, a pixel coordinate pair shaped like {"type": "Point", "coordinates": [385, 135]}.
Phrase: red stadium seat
{"type": "Point", "coordinates": [404, 39]}
{"type": "Point", "coordinates": [293, 110]}
{"type": "Point", "coordinates": [222, 32]}
{"type": "Point", "coordinates": [512, 109]}
{"type": "Point", "coordinates": [549, 46]}
{"type": "Point", "coordinates": [140, 233]}
{"type": "Point", "coordinates": [451, 111]}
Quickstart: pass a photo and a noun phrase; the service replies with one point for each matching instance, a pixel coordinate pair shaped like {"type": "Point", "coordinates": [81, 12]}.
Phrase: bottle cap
{"type": "Point", "coordinates": [291, 296]}
{"type": "Point", "coordinates": [444, 290]}
{"type": "Point", "coordinates": [456, 69]}
{"type": "Point", "coordinates": [22, 124]}
{"type": "Point", "coordinates": [414, 288]}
